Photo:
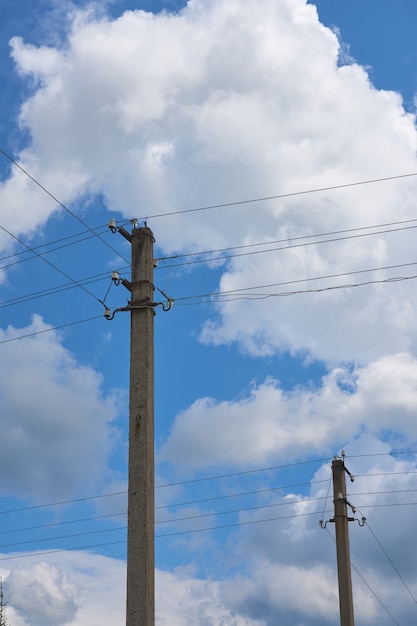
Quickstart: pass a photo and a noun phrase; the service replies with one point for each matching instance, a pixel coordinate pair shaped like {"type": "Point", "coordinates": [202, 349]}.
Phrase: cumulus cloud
{"type": "Point", "coordinates": [291, 550]}
{"type": "Point", "coordinates": [220, 102]}
{"type": "Point", "coordinates": [275, 546]}
{"type": "Point", "coordinates": [56, 421]}
{"type": "Point", "coordinates": [185, 601]}
{"type": "Point", "coordinates": [73, 588]}
{"type": "Point", "coordinates": [269, 423]}
{"type": "Point", "coordinates": [79, 588]}
{"type": "Point", "coordinates": [278, 546]}
{"type": "Point", "coordinates": [42, 593]}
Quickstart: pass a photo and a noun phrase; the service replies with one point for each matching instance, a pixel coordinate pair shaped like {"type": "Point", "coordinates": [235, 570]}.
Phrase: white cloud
{"type": "Point", "coordinates": [42, 593]}
{"type": "Point", "coordinates": [77, 588]}
{"type": "Point", "coordinates": [292, 552]}
{"type": "Point", "coordinates": [263, 564]}
{"type": "Point", "coordinates": [269, 423]}
{"type": "Point", "coordinates": [221, 102]}
{"type": "Point", "coordinates": [54, 415]}
{"type": "Point", "coordinates": [71, 588]}
{"type": "Point", "coordinates": [186, 601]}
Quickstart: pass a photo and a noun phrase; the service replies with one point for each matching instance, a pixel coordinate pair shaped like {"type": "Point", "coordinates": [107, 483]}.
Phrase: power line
{"type": "Point", "coordinates": [191, 502]}
{"type": "Point", "coordinates": [216, 297]}
{"type": "Point", "coordinates": [240, 510]}
{"type": "Point", "coordinates": [391, 562]}
{"type": "Point", "coordinates": [236, 524]}
{"type": "Point", "coordinates": [64, 523]}
{"type": "Point", "coordinates": [98, 277]}
{"type": "Point", "coordinates": [297, 281]}
{"type": "Point", "coordinates": [238, 495]}
{"type": "Point", "coordinates": [387, 504]}
{"type": "Point", "coordinates": [280, 196]}
{"type": "Point", "coordinates": [377, 598]}
{"type": "Point", "coordinates": [70, 536]}
{"type": "Point", "coordinates": [61, 502]}
{"type": "Point", "coordinates": [55, 290]}
{"type": "Point", "coordinates": [251, 297]}
{"type": "Point", "coordinates": [299, 238]}
{"type": "Point", "coordinates": [55, 267]}
{"type": "Point", "coordinates": [41, 254]}
{"type": "Point", "coordinates": [185, 532]}
{"type": "Point", "coordinates": [182, 519]}
{"type": "Point", "coordinates": [234, 474]}
{"type": "Point", "coordinates": [222, 294]}
{"type": "Point", "coordinates": [287, 247]}
{"type": "Point", "coordinates": [48, 330]}
{"type": "Point", "coordinates": [243, 473]}
{"type": "Point", "coordinates": [71, 549]}
{"type": "Point", "coordinates": [103, 228]}
{"type": "Point", "coordinates": [74, 215]}
{"type": "Point", "coordinates": [170, 521]}
{"type": "Point", "coordinates": [209, 207]}
{"type": "Point", "coordinates": [186, 518]}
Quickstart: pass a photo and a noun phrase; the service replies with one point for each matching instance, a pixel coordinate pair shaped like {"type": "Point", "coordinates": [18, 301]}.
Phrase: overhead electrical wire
{"type": "Point", "coordinates": [229, 295]}
{"type": "Point", "coordinates": [69, 536]}
{"type": "Point", "coordinates": [216, 206]}
{"type": "Point", "coordinates": [162, 522]}
{"type": "Point", "coordinates": [175, 505]}
{"type": "Point", "coordinates": [242, 473]}
{"type": "Point", "coordinates": [41, 254]}
{"type": "Point", "coordinates": [280, 196]}
{"type": "Point", "coordinates": [410, 593]}
{"type": "Point", "coordinates": [210, 252]}
{"type": "Point", "coordinates": [107, 516]}
{"type": "Point", "coordinates": [94, 233]}
{"type": "Point", "coordinates": [79, 520]}
{"type": "Point", "coordinates": [186, 518]}
{"type": "Point", "coordinates": [220, 297]}
{"type": "Point", "coordinates": [377, 598]}
{"type": "Point", "coordinates": [298, 238]}
{"type": "Point", "coordinates": [69, 549]}
{"type": "Point", "coordinates": [50, 329]}
{"type": "Point", "coordinates": [184, 532]}
{"type": "Point", "coordinates": [233, 475]}
{"type": "Point", "coordinates": [78, 284]}
{"type": "Point", "coordinates": [297, 281]}
{"type": "Point", "coordinates": [80, 237]}
{"type": "Point", "coordinates": [287, 247]}
{"type": "Point", "coordinates": [55, 267]}
{"type": "Point", "coordinates": [57, 289]}
{"type": "Point", "coordinates": [181, 519]}
{"type": "Point", "coordinates": [74, 215]}
{"type": "Point", "coordinates": [235, 494]}
{"type": "Point", "coordinates": [214, 295]}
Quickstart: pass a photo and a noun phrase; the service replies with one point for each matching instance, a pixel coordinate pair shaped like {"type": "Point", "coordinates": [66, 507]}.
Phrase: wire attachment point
{"type": "Point", "coordinates": [108, 314]}
{"type": "Point", "coordinates": [115, 278]}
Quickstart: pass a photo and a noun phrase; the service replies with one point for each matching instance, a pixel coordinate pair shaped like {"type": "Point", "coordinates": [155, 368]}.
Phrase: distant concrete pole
{"type": "Point", "coordinates": [342, 543]}
{"type": "Point", "coordinates": [140, 601]}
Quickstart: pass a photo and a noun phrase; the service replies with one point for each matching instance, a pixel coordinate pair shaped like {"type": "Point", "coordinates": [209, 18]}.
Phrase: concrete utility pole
{"type": "Point", "coordinates": [341, 521]}
{"type": "Point", "coordinates": [140, 600]}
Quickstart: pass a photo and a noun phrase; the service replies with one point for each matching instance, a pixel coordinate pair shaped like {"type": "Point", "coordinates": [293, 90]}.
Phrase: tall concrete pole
{"type": "Point", "coordinates": [140, 601]}
{"type": "Point", "coordinates": [342, 543]}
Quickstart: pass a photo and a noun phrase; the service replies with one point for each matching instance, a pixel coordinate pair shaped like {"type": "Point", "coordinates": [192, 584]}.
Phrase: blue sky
{"type": "Point", "coordinates": [293, 330]}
